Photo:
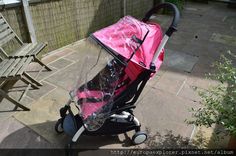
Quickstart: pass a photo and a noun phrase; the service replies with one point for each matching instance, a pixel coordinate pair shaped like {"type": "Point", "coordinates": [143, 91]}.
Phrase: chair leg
{"type": "Point", "coordinates": [32, 79]}
{"type": "Point", "coordinates": [42, 64]}
{"type": "Point", "coordinates": [25, 92]}
{"type": "Point", "coordinates": [5, 95]}
{"type": "Point", "coordinates": [27, 82]}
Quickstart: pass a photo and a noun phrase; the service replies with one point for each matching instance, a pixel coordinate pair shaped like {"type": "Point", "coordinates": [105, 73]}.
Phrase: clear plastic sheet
{"type": "Point", "coordinates": [102, 78]}
{"type": "Point", "coordinates": [95, 91]}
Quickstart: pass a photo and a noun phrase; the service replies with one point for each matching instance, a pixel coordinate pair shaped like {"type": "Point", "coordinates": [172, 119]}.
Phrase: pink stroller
{"type": "Point", "coordinates": [106, 96]}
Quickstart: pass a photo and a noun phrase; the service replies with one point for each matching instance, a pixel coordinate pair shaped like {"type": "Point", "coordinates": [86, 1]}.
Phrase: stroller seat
{"type": "Point", "coordinates": [93, 97]}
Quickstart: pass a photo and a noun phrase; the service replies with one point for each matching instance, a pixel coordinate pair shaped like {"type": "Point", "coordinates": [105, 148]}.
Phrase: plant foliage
{"type": "Point", "coordinates": [219, 102]}
{"type": "Point", "coordinates": [178, 3]}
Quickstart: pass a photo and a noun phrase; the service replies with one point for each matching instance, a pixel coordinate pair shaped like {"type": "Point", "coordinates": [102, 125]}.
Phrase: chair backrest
{"type": "Point", "coordinates": [6, 34]}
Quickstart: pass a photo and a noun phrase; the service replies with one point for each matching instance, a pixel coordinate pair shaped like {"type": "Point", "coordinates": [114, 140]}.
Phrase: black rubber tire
{"type": "Point", "coordinates": [142, 136]}
{"type": "Point", "coordinates": [59, 126]}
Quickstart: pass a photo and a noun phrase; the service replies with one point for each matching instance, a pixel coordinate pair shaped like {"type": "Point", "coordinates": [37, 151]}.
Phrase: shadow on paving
{"type": "Point", "coordinates": [155, 141]}
{"type": "Point", "coordinates": [168, 141]}
{"type": "Point", "coordinates": [21, 139]}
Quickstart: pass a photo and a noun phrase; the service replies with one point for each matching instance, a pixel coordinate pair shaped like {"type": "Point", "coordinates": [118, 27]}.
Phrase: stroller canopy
{"type": "Point", "coordinates": [130, 35]}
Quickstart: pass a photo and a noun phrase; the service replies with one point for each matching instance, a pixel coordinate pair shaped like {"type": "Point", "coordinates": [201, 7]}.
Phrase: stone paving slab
{"type": "Point", "coordinates": [163, 20]}
{"type": "Point", "coordinates": [182, 37]}
{"type": "Point", "coordinates": [44, 114]}
{"type": "Point", "coordinates": [7, 109]}
{"type": "Point", "coordinates": [7, 105]}
{"type": "Point", "coordinates": [171, 82]}
{"type": "Point", "coordinates": [56, 54]}
{"type": "Point", "coordinates": [67, 77]}
{"type": "Point", "coordinates": [189, 92]}
{"type": "Point", "coordinates": [34, 68]}
{"type": "Point", "coordinates": [44, 74]}
{"type": "Point", "coordinates": [76, 56]}
{"type": "Point", "coordinates": [188, 25]}
{"type": "Point", "coordinates": [16, 135]}
{"type": "Point", "coordinates": [60, 63]}
{"type": "Point", "coordinates": [45, 89]}
{"type": "Point", "coordinates": [230, 19]}
{"type": "Point", "coordinates": [200, 74]}
{"type": "Point", "coordinates": [180, 60]}
{"type": "Point", "coordinates": [224, 39]}
{"type": "Point", "coordinates": [197, 47]}
{"type": "Point", "coordinates": [162, 111]}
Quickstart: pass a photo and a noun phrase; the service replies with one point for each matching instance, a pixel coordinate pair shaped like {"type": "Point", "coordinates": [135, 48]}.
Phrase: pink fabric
{"type": "Point", "coordinates": [118, 37]}
{"type": "Point", "coordinates": [88, 93]}
{"type": "Point", "coordinates": [133, 70]}
{"type": "Point", "coordinates": [89, 108]}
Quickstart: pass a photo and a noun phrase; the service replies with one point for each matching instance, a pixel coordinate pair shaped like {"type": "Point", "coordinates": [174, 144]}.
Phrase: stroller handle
{"type": "Point", "coordinates": [170, 6]}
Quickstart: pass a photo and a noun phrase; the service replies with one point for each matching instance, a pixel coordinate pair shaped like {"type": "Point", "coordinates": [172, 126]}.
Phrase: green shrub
{"type": "Point", "coordinates": [178, 3]}
{"type": "Point", "coordinates": [219, 102]}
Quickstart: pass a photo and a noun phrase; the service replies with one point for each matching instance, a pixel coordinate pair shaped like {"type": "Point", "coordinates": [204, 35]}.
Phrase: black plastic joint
{"type": "Point", "coordinates": [138, 128]}
{"type": "Point", "coordinates": [130, 118]}
{"type": "Point", "coordinates": [152, 67]}
{"type": "Point", "coordinates": [63, 111]}
{"type": "Point", "coordinates": [170, 31]}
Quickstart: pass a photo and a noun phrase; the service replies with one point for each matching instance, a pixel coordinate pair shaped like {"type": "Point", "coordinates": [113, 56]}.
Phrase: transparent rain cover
{"type": "Point", "coordinates": [102, 77]}
{"type": "Point", "coordinates": [95, 90]}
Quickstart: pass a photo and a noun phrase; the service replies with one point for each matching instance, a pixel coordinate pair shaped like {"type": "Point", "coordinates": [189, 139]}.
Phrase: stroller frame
{"type": "Point", "coordinates": [121, 117]}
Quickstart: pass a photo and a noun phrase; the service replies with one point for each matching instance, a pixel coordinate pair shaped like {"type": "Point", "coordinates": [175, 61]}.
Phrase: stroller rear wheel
{"type": "Point", "coordinates": [139, 137]}
{"type": "Point", "coordinates": [59, 127]}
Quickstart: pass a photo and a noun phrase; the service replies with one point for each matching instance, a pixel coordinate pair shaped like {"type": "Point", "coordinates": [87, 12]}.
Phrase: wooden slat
{"type": "Point", "coordinates": [18, 67]}
{"type": "Point", "coordinates": [5, 33]}
{"type": "Point", "coordinates": [25, 65]}
{"type": "Point", "coordinates": [2, 21]}
{"type": "Point", "coordinates": [7, 39]}
{"type": "Point", "coordinates": [24, 50]}
{"type": "Point", "coordinates": [1, 59]}
{"type": "Point", "coordinates": [3, 27]}
{"type": "Point", "coordinates": [30, 47]}
{"type": "Point", "coordinates": [10, 68]}
{"type": "Point", "coordinates": [10, 78]}
{"type": "Point", "coordinates": [36, 49]}
{"type": "Point", "coordinates": [2, 64]}
{"type": "Point", "coordinates": [5, 67]}
{"type": "Point", "coordinates": [17, 37]}
{"type": "Point", "coordinates": [3, 53]}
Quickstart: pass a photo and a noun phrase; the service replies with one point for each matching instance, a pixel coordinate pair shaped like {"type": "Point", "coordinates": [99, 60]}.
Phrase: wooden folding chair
{"type": "Point", "coordinates": [13, 67]}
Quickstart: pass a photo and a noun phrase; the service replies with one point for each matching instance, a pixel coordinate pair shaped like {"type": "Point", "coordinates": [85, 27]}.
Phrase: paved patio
{"type": "Point", "coordinates": [205, 32]}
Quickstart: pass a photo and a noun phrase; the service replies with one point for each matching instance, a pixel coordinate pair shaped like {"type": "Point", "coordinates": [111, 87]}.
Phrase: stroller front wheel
{"type": "Point", "coordinates": [139, 138]}
{"type": "Point", "coordinates": [58, 126]}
